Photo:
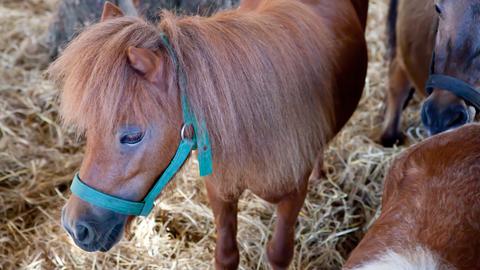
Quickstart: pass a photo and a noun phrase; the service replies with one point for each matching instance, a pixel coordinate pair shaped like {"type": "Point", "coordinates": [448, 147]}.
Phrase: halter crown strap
{"type": "Point", "coordinates": [199, 141]}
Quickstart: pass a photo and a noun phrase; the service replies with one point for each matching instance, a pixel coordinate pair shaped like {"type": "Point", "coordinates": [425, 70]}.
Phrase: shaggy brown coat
{"type": "Point", "coordinates": [268, 94]}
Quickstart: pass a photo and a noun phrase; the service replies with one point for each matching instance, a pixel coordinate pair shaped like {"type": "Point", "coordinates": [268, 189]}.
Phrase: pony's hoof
{"type": "Point", "coordinates": [389, 140]}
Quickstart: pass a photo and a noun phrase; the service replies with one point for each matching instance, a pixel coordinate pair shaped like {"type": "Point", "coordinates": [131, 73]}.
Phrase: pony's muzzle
{"type": "Point", "coordinates": [443, 111]}
{"type": "Point", "coordinates": [92, 228]}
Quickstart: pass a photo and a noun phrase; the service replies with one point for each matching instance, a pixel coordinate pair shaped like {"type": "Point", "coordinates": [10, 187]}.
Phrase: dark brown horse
{"type": "Point", "coordinates": [431, 208]}
{"type": "Point", "coordinates": [273, 81]}
{"type": "Point", "coordinates": [419, 29]}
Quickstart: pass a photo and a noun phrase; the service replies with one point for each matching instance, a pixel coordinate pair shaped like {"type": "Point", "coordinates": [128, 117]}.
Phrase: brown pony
{"type": "Point", "coordinates": [273, 81]}
{"type": "Point", "coordinates": [430, 216]}
{"type": "Point", "coordinates": [448, 28]}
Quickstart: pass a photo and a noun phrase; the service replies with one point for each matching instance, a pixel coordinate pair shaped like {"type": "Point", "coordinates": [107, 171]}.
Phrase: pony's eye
{"type": "Point", "coordinates": [131, 138]}
{"type": "Point", "coordinates": [438, 9]}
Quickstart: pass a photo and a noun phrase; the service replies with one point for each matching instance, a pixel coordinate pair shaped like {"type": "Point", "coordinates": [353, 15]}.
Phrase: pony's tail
{"type": "Point", "coordinates": [392, 29]}
{"type": "Point", "coordinates": [361, 7]}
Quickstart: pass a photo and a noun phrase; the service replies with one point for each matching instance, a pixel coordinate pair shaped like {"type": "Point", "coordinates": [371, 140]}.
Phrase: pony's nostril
{"type": "Point", "coordinates": [459, 117]}
{"type": "Point", "coordinates": [81, 233]}
{"type": "Point", "coordinates": [84, 233]}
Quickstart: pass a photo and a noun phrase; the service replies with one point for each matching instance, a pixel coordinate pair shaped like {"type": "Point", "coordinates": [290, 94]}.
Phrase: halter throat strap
{"type": "Point", "coordinates": [199, 141]}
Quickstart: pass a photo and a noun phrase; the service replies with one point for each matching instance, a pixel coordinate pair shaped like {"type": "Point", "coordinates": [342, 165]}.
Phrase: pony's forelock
{"type": "Point", "coordinates": [99, 88]}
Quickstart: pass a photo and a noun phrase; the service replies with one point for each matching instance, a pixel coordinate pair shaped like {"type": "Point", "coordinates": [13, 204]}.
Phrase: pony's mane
{"type": "Point", "coordinates": [253, 76]}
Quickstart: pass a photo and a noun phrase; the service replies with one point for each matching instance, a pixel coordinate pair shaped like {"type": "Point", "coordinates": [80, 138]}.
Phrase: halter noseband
{"type": "Point", "coordinates": [199, 141]}
{"type": "Point", "coordinates": [454, 85]}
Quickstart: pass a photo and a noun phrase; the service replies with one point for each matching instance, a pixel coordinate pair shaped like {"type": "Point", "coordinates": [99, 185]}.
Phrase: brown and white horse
{"type": "Point", "coordinates": [430, 217]}
{"type": "Point", "coordinates": [274, 81]}
{"type": "Point", "coordinates": [418, 30]}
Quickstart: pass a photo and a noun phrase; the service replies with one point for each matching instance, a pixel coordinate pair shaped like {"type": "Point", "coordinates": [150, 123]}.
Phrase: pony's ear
{"type": "Point", "coordinates": [110, 11]}
{"type": "Point", "coordinates": [146, 62]}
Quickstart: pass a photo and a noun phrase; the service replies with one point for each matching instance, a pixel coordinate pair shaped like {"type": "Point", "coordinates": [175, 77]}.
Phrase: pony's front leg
{"type": "Point", "coordinates": [225, 213]}
{"type": "Point", "coordinates": [398, 96]}
{"type": "Point", "coordinates": [281, 247]}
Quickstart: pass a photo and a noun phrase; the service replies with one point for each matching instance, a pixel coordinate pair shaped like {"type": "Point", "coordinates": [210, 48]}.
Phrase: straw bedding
{"type": "Point", "coordinates": [38, 159]}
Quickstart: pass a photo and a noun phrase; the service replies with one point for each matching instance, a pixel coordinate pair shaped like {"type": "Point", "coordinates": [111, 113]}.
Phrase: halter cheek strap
{"type": "Point", "coordinates": [199, 141]}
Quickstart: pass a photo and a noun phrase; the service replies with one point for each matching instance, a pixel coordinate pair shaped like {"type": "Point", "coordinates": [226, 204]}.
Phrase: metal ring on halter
{"type": "Point", "coordinates": [184, 132]}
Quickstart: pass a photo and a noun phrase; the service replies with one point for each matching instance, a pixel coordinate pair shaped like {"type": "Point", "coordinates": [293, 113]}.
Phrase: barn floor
{"type": "Point", "coordinates": [38, 158]}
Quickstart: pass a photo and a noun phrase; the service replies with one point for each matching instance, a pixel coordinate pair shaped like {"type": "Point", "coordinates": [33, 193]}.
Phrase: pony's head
{"type": "Point", "coordinates": [119, 91]}
{"type": "Point", "coordinates": [456, 54]}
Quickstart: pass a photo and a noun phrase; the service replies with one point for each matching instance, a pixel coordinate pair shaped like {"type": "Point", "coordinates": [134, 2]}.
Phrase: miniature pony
{"type": "Point", "coordinates": [272, 82]}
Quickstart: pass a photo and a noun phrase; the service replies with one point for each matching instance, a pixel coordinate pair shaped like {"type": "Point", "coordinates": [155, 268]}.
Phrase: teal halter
{"type": "Point", "coordinates": [199, 141]}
